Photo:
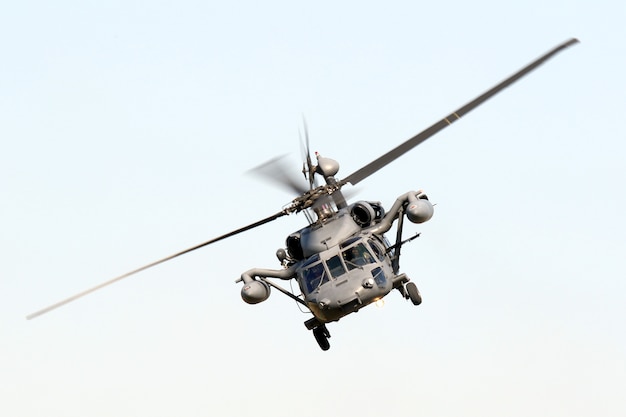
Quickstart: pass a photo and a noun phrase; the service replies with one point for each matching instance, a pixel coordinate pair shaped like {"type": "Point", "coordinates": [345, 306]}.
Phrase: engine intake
{"type": "Point", "coordinates": [362, 213]}
{"type": "Point", "coordinates": [294, 246]}
{"type": "Point", "coordinates": [365, 213]}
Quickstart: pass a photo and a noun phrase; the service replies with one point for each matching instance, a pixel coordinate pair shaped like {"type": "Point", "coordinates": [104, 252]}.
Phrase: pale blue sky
{"type": "Point", "coordinates": [127, 129]}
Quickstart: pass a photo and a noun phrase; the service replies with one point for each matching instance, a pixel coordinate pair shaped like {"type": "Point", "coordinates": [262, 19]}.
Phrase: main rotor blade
{"type": "Point", "coordinates": [309, 164]}
{"type": "Point", "coordinates": [277, 171]}
{"type": "Point", "coordinates": [150, 265]}
{"type": "Point", "coordinates": [390, 156]}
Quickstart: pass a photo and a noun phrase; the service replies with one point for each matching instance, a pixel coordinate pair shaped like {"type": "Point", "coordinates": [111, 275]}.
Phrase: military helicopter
{"type": "Point", "coordinates": [341, 260]}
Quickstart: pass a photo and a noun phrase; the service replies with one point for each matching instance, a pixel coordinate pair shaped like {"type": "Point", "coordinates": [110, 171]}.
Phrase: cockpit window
{"type": "Point", "coordinates": [391, 252]}
{"type": "Point", "coordinates": [357, 256]}
{"type": "Point", "coordinates": [311, 260]}
{"type": "Point", "coordinates": [377, 249]}
{"type": "Point", "coordinates": [314, 276]}
{"type": "Point", "coordinates": [335, 266]}
{"type": "Point", "coordinates": [350, 241]}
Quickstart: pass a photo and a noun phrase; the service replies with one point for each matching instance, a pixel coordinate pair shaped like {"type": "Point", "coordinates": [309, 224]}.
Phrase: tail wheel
{"type": "Point", "coordinates": [414, 293]}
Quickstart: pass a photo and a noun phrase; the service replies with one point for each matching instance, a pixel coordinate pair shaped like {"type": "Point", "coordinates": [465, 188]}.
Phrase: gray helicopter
{"type": "Point", "coordinates": [341, 260]}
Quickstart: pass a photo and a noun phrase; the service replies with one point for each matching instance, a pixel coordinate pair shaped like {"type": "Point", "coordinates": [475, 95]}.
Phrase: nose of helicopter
{"type": "Point", "coordinates": [368, 293]}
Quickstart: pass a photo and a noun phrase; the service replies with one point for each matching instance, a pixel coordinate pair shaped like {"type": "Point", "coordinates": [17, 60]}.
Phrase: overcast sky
{"type": "Point", "coordinates": [127, 130]}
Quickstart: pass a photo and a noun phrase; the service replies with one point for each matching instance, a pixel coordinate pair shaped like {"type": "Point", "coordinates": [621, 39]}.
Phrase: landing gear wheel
{"type": "Point", "coordinates": [321, 335]}
{"type": "Point", "coordinates": [414, 294]}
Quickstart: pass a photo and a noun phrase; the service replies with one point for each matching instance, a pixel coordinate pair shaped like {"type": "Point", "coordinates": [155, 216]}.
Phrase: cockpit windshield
{"type": "Point", "coordinates": [315, 272]}
{"type": "Point", "coordinates": [314, 276]}
{"type": "Point", "coordinates": [335, 266]}
{"type": "Point", "coordinates": [357, 256]}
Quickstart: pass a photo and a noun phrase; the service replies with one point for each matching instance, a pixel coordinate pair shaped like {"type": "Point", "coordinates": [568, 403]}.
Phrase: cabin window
{"type": "Point", "coordinates": [314, 276]}
{"type": "Point", "coordinates": [357, 256]}
{"type": "Point", "coordinates": [335, 266]}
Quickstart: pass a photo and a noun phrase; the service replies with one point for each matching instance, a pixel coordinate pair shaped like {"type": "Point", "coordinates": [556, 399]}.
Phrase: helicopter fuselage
{"type": "Point", "coordinates": [345, 278]}
{"type": "Point", "coordinates": [342, 262]}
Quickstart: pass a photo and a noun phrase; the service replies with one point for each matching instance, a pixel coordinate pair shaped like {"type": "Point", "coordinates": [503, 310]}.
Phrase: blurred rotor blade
{"type": "Point", "coordinates": [280, 174]}
{"type": "Point", "coordinates": [160, 261]}
{"type": "Point", "coordinates": [310, 169]}
{"type": "Point", "coordinates": [390, 156]}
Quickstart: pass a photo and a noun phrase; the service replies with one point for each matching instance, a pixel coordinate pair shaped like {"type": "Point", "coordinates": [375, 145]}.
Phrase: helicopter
{"type": "Point", "coordinates": [341, 260]}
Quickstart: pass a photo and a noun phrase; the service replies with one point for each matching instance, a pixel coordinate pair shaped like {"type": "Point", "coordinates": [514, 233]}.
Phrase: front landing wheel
{"type": "Point", "coordinates": [321, 336]}
{"type": "Point", "coordinates": [414, 294]}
